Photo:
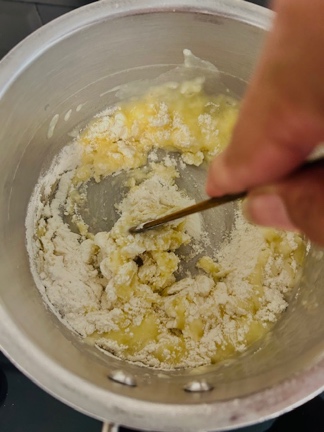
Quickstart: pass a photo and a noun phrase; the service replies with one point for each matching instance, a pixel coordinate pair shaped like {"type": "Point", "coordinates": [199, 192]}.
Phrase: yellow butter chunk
{"type": "Point", "coordinates": [135, 338]}
{"type": "Point", "coordinates": [158, 269]}
{"type": "Point", "coordinates": [209, 266]}
{"type": "Point", "coordinates": [171, 351]}
{"type": "Point", "coordinates": [197, 329]}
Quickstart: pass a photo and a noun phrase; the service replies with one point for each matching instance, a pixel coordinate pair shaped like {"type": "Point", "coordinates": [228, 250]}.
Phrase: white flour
{"type": "Point", "coordinates": [80, 278]}
{"type": "Point", "coordinates": [122, 292]}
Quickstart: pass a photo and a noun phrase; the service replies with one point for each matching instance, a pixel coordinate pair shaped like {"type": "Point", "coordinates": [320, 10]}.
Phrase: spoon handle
{"type": "Point", "coordinates": [201, 206]}
{"type": "Point", "coordinates": [213, 202]}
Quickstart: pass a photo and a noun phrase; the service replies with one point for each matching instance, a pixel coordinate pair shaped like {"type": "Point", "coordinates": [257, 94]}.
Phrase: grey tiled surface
{"type": "Point", "coordinates": [67, 3]}
{"type": "Point", "coordinates": [49, 12]}
{"type": "Point", "coordinates": [17, 20]}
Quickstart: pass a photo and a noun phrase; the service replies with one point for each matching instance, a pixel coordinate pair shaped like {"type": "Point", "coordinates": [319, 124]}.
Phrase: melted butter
{"type": "Point", "coordinates": [178, 117]}
{"type": "Point", "coordinates": [52, 126]}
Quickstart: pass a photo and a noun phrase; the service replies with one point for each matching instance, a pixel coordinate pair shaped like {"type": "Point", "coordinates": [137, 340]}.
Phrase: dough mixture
{"type": "Point", "coordinates": [128, 294]}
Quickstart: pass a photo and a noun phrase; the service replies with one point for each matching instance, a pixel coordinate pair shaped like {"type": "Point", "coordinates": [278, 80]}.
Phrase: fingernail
{"type": "Point", "coordinates": [214, 182]}
{"type": "Point", "coordinates": [268, 210]}
{"type": "Point", "coordinates": [219, 179]}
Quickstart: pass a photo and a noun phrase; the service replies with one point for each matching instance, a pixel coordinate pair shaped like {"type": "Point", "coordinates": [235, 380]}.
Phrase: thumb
{"type": "Point", "coordinates": [296, 203]}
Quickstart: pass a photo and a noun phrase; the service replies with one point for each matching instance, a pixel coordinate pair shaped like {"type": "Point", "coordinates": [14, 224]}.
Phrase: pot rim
{"type": "Point", "coordinates": [77, 392]}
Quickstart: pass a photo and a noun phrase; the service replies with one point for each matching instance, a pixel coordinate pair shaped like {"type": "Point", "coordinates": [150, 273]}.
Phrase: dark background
{"type": "Point", "coordinates": [23, 406]}
{"type": "Point", "coordinates": [18, 18]}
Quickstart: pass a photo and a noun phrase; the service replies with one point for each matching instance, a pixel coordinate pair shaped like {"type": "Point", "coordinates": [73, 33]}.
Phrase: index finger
{"type": "Point", "coordinates": [281, 119]}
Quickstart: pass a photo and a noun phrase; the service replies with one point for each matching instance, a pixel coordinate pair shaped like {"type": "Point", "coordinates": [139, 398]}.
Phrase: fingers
{"type": "Point", "coordinates": [258, 157]}
{"type": "Point", "coordinates": [296, 203]}
{"type": "Point", "coordinates": [281, 116]}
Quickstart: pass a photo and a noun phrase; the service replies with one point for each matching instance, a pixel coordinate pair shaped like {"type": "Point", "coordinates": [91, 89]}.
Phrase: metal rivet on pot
{"type": "Point", "coordinates": [198, 386]}
{"type": "Point", "coordinates": [122, 378]}
{"type": "Point", "coordinates": [109, 427]}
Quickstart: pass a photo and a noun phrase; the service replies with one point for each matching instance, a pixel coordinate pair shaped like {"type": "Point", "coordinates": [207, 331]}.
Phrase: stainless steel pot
{"type": "Point", "coordinates": [67, 65]}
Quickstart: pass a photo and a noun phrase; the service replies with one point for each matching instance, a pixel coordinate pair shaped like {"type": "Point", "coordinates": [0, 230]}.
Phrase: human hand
{"type": "Point", "coordinates": [280, 123]}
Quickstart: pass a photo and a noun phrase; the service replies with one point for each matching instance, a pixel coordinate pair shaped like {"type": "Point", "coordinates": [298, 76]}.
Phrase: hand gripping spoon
{"type": "Point", "coordinates": [210, 203]}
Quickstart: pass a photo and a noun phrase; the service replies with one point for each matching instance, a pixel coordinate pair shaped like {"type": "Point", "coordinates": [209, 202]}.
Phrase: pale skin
{"type": "Point", "coordinates": [280, 123]}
